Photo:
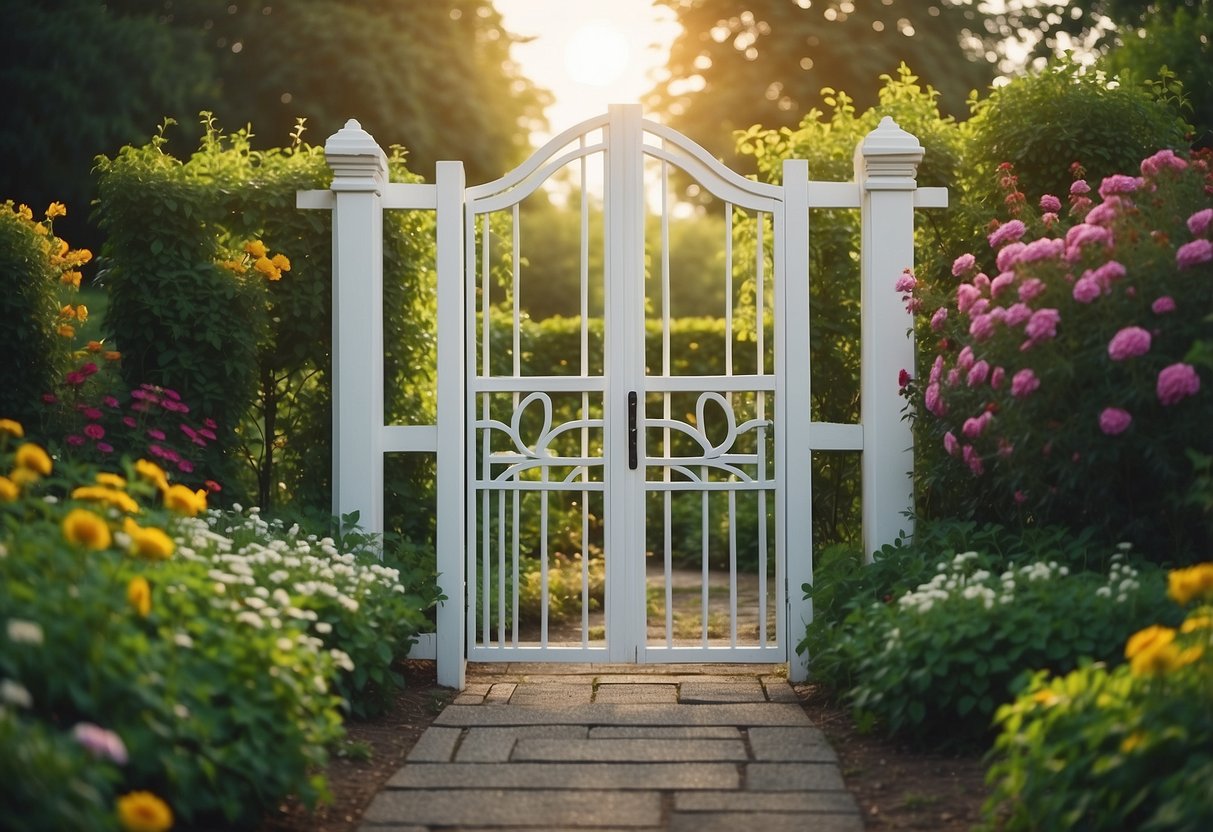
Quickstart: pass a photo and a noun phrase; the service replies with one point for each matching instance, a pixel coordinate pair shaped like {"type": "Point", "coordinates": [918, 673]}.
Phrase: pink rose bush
{"type": "Point", "coordinates": [1071, 386]}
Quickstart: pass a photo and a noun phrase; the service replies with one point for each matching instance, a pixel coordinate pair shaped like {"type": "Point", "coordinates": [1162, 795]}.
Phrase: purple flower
{"type": "Point", "coordinates": [997, 377]}
{"type": "Point", "coordinates": [1043, 324]}
{"type": "Point", "coordinates": [1176, 383]}
{"type": "Point", "coordinates": [100, 742]}
{"type": "Point", "coordinates": [1160, 161]}
{"type": "Point", "coordinates": [1008, 256]}
{"type": "Point", "coordinates": [905, 283]}
{"type": "Point", "coordinates": [937, 320]}
{"type": "Point", "coordinates": [1050, 204]}
{"type": "Point", "coordinates": [1043, 249]}
{"type": "Point", "coordinates": [1130, 342]}
{"type": "Point", "coordinates": [1194, 253]}
{"type": "Point", "coordinates": [934, 401]}
{"type": "Point", "coordinates": [1087, 289]}
{"type": "Point", "coordinates": [1163, 305]}
{"type": "Point", "coordinates": [963, 264]}
{"type": "Point", "coordinates": [1118, 183]}
{"type": "Point", "coordinates": [1080, 186]}
{"type": "Point", "coordinates": [1114, 420]}
{"type": "Point", "coordinates": [1024, 383]}
{"type": "Point", "coordinates": [978, 373]}
{"type": "Point", "coordinates": [1031, 289]}
{"type": "Point", "coordinates": [1199, 222]}
{"type": "Point", "coordinates": [1017, 314]}
{"type": "Point", "coordinates": [1008, 232]}
{"type": "Point", "coordinates": [950, 444]}
{"type": "Point", "coordinates": [966, 295]}
{"type": "Point", "coordinates": [973, 460]}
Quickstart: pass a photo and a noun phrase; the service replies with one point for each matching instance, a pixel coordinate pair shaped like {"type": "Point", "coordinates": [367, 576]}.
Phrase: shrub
{"type": "Point", "coordinates": [1065, 388]}
{"type": "Point", "coordinates": [949, 652]}
{"type": "Point", "coordinates": [1126, 748]}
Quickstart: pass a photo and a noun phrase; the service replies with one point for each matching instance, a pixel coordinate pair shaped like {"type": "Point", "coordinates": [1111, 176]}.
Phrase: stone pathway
{"type": "Point", "coordinates": [686, 748]}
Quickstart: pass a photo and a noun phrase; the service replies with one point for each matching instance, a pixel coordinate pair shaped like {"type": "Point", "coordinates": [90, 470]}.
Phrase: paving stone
{"type": "Point", "coordinates": [573, 776]}
{"type": "Point", "coordinates": [764, 821]}
{"type": "Point", "coordinates": [636, 694]}
{"type": "Point", "coordinates": [500, 693]}
{"type": "Point", "coordinates": [791, 745]}
{"type": "Point", "coordinates": [629, 751]}
{"type": "Point", "coordinates": [789, 777]}
{"type": "Point", "coordinates": [436, 745]}
{"type": "Point", "coordinates": [721, 692]}
{"type": "Point", "coordinates": [392, 827]}
{"type": "Point", "coordinates": [493, 808]}
{"type": "Point", "coordinates": [778, 689]}
{"type": "Point", "coordinates": [530, 694]}
{"type": "Point", "coordinates": [628, 715]}
{"type": "Point", "coordinates": [640, 732]}
{"type": "Point", "coordinates": [646, 678]}
{"type": "Point", "coordinates": [825, 802]}
{"type": "Point", "coordinates": [493, 745]}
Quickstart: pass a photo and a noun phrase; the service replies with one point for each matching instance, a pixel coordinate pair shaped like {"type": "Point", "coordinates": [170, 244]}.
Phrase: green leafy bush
{"type": "Point", "coordinates": [1126, 748]}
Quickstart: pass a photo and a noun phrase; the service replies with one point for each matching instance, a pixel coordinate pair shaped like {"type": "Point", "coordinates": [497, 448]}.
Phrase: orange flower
{"type": "Point", "coordinates": [71, 278]}
{"type": "Point", "coordinates": [255, 248]}
{"type": "Point", "coordinates": [67, 331]}
{"type": "Point", "coordinates": [56, 209]}
{"type": "Point", "coordinates": [113, 355]}
{"type": "Point", "coordinates": [267, 268]}
{"type": "Point", "coordinates": [93, 346]}
{"type": "Point", "coordinates": [281, 262]}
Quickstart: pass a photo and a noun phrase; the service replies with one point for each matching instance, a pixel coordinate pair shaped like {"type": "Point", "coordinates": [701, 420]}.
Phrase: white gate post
{"type": "Point", "coordinates": [886, 164]}
{"type": "Point", "coordinates": [452, 436]}
{"type": "Point", "coordinates": [359, 174]}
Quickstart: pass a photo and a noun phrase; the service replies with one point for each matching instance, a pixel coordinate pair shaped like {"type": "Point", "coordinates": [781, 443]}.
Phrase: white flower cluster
{"type": "Point", "coordinates": [982, 586]}
{"type": "Point", "coordinates": [1122, 578]}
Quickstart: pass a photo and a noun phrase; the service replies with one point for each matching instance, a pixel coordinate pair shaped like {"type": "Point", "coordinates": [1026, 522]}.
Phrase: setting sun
{"type": "Point", "coordinates": [597, 54]}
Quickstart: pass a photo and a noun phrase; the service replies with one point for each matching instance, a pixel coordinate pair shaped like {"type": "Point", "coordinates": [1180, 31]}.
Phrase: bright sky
{"type": "Point", "coordinates": [589, 53]}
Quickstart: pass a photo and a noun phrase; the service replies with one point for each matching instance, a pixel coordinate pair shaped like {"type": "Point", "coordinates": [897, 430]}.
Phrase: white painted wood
{"type": "Point", "coordinates": [886, 164]}
{"type": "Point", "coordinates": [359, 174]}
{"type": "Point", "coordinates": [794, 491]}
{"type": "Point", "coordinates": [426, 647]}
{"type": "Point", "coordinates": [452, 444]}
{"type": "Point", "coordinates": [409, 439]}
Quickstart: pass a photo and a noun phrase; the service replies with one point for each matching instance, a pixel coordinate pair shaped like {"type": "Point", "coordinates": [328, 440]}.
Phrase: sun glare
{"type": "Point", "coordinates": [597, 54]}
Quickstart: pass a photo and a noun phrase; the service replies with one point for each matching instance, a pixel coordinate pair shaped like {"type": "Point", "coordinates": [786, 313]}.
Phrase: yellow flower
{"type": "Point", "coordinates": [40, 229]}
{"type": "Point", "coordinates": [1183, 585]}
{"type": "Point", "coordinates": [153, 473]}
{"type": "Point", "coordinates": [180, 499]}
{"type": "Point", "coordinates": [144, 812]}
{"type": "Point", "coordinates": [60, 248]}
{"type": "Point", "coordinates": [148, 542]}
{"type": "Point", "coordinates": [33, 458]}
{"type": "Point", "coordinates": [12, 428]}
{"type": "Point", "coordinates": [71, 278]}
{"type": "Point", "coordinates": [67, 331]}
{"type": "Point", "coordinates": [1132, 741]}
{"type": "Point", "coordinates": [108, 496]}
{"type": "Point", "coordinates": [1196, 622]}
{"type": "Point", "coordinates": [23, 477]}
{"type": "Point", "coordinates": [68, 311]}
{"type": "Point", "coordinates": [139, 593]}
{"type": "Point", "coordinates": [83, 528]}
{"type": "Point", "coordinates": [255, 248]}
{"type": "Point", "coordinates": [111, 480]}
{"type": "Point", "coordinates": [281, 262]}
{"type": "Point", "coordinates": [233, 266]}
{"type": "Point", "coordinates": [82, 313]}
{"type": "Point", "coordinates": [113, 355]}
{"type": "Point", "coordinates": [78, 257]}
{"type": "Point", "coordinates": [24, 212]}
{"type": "Point", "coordinates": [267, 268]}
{"type": "Point", "coordinates": [1047, 698]}
{"type": "Point", "coordinates": [9, 490]}
{"type": "Point", "coordinates": [56, 209]}
{"type": "Point", "coordinates": [1150, 638]}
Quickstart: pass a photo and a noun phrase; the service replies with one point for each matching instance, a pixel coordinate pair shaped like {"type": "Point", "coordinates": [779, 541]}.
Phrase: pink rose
{"type": "Point", "coordinates": [1043, 249]}
{"type": "Point", "coordinates": [963, 264]}
{"type": "Point", "coordinates": [966, 295]}
{"type": "Point", "coordinates": [1163, 305]}
{"type": "Point", "coordinates": [936, 370]}
{"type": "Point", "coordinates": [1176, 383]}
{"type": "Point", "coordinates": [1050, 204]}
{"type": "Point", "coordinates": [1018, 314]}
{"type": "Point", "coordinates": [965, 359]}
{"type": "Point", "coordinates": [938, 319]}
{"type": "Point", "coordinates": [1031, 289]}
{"type": "Point", "coordinates": [1079, 186]}
{"type": "Point", "coordinates": [1118, 183]}
{"type": "Point", "coordinates": [1130, 342]}
{"type": "Point", "coordinates": [978, 373]}
{"type": "Point", "coordinates": [1008, 232]}
{"type": "Point", "coordinates": [950, 444]}
{"type": "Point", "coordinates": [1102, 213]}
{"type": "Point", "coordinates": [1199, 222]}
{"type": "Point", "coordinates": [1043, 324]}
{"type": "Point", "coordinates": [1001, 282]}
{"type": "Point", "coordinates": [1194, 253]}
{"type": "Point", "coordinates": [982, 327]}
{"type": "Point", "coordinates": [1108, 273]}
{"type": "Point", "coordinates": [1160, 161]}
{"type": "Point", "coordinates": [903, 378]}
{"type": "Point", "coordinates": [934, 401]}
{"type": "Point", "coordinates": [1114, 421]}
{"type": "Point", "coordinates": [1008, 256]}
{"type": "Point", "coordinates": [997, 377]}
{"type": "Point", "coordinates": [1024, 383]}
{"type": "Point", "coordinates": [1087, 289]}
{"type": "Point", "coordinates": [905, 283]}
{"type": "Point", "coordinates": [973, 459]}
{"type": "Point", "coordinates": [975, 426]}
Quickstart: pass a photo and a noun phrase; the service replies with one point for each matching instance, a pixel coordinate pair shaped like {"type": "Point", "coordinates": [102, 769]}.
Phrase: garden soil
{"type": "Point", "coordinates": [897, 787]}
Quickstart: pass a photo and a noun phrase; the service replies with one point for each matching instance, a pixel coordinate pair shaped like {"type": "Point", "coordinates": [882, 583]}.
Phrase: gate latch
{"type": "Point", "coordinates": [632, 461]}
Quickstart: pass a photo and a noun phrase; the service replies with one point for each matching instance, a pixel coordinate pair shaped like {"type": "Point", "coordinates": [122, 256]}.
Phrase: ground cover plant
{"type": "Point", "coordinates": [160, 659]}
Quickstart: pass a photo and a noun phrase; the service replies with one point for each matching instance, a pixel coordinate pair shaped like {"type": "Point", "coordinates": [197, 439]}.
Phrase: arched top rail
{"type": "Point", "coordinates": [711, 163]}
{"type": "Point", "coordinates": [537, 158]}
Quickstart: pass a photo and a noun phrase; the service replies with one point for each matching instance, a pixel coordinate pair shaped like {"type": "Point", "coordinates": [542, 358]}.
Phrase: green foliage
{"type": "Point", "coordinates": [938, 660]}
{"type": "Point", "coordinates": [206, 654]}
{"type": "Point", "coordinates": [1100, 749]}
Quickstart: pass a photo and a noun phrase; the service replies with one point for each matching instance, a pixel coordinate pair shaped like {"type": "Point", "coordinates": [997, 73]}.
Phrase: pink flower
{"type": "Point", "coordinates": [100, 742]}
{"type": "Point", "coordinates": [1008, 256]}
{"type": "Point", "coordinates": [156, 433]}
{"type": "Point", "coordinates": [965, 358]}
{"type": "Point", "coordinates": [75, 378]}
{"type": "Point", "coordinates": [979, 307]}
{"type": "Point", "coordinates": [934, 401]}
{"type": "Point", "coordinates": [938, 319]}
{"type": "Point", "coordinates": [213, 486]}
{"type": "Point", "coordinates": [1049, 219]}
{"type": "Point", "coordinates": [963, 264]}
{"type": "Point", "coordinates": [950, 444]}
{"type": "Point", "coordinates": [129, 421]}
{"type": "Point", "coordinates": [1043, 324]}
{"type": "Point", "coordinates": [1114, 421]}
{"type": "Point", "coordinates": [156, 450]}
{"type": "Point", "coordinates": [1102, 213]}
{"type": "Point", "coordinates": [207, 433]}
{"type": "Point", "coordinates": [185, 466]}
{"type": "Point", "coordinates": [1194, 253]}
{"type": "Point", "coordinates": [210, 423]}
{"type": "Point", "coordinates": [1082, 235]}
{"type": "Point", "coordinates": [1024, 383]}
{"type": "Point", "coordinates": [982, 327]}
{"type": "Point", "coordinates": [966, 295]}
{"type": "Point", "coordinates": [88, 369]}
{"type": "Point", "coordinates": [1160, 161]}
{"type": "Point", "coordinates": [1045, 248]}
{"type": "Point", "coordinates": [1006, 233]}
{"type": "Point", "coordinates": [94, 431]}
{"type": "Point", "coordinates": [104, 447]}
{"type": "Point", "coordinates": [1020, 497]}
{"type": "Point", "coordinates": [49, 398]}
{"type": "Point", "coordinates": [1176, 383]}
{"type": "Point", "coordinates": [74, 440]}
{"type": "Point", "coordinates": [936, 370]}
{"type": "Point", "coordinates": [973, 460]}
{"type": "Point", "coordinates": [1199, 222]}
{"type": "Point", "coordinates": [174, 406]}
{"type": "Point", "coordinates": [110, 401]}
{"type": "Point", "coordinates": [172, 394]}
{"type": "Point", "coordinates": [978, 373]}
{"type": "Point", "coordinates": [1107, 274]}
{"type": "Point", "coordinates": [1087, 289]}
{"type": "Point", "coordinates": [1050, 203]}
{"type": "Point", "coordinates": [905, 283]}
{"type": "Point", "coordinates": [1118, 183]}
{"type": "Point", "coordinates": [1130, 342]}
{"type": "Point", "coordinates": [91, 413]}
{"type": "Point", "coordinates": [1163, 305]}
{"type": "Point", "coordinates": [169, 455]}
{"type": "Point", "coordinates": [953, 376]}
{"type": "Point", "coordinates": [975, 426]}
{"type": "Point", "coordinates": [997, 377]}
{"type": "Point", "coordinates": [144, 395]}
{"type": "Point", "coordinates": [1031, 289]}
{"type": "Point", "coordinates": [1018, 314]}
{"type": "Point", "coordinates": [1001, 282]}
{"type": "Point", "coordinates": [903, 378]}
{"type": "Point", "coordinates": [1079, 186]}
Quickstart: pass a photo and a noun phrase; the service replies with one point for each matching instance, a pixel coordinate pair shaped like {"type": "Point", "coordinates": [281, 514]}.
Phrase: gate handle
{"type": "Point", "coordinates": [632, 430]}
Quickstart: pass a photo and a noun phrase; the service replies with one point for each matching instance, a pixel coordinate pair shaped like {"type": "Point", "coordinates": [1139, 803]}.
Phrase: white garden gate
{"type": "Point", "coordinates": [612, 468]}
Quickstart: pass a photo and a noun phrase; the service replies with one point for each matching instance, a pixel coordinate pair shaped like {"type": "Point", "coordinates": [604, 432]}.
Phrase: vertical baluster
{"type": "Point", "coordinates": [585, 402]}
{"type": "Point", "coordinates": [759, 312]}
{"type": "Point", "coordinates": [667, 496]}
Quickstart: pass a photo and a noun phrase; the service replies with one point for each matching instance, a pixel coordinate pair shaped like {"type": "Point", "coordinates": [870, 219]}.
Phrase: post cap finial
{"type": "Point", "coordinates": [888, 157]}
{"type": "Point", "coordinates": [357, 160]}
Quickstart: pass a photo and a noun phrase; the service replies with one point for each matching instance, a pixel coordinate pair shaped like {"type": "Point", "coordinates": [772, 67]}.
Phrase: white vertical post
{"type": "Point", "coordinates": [359, 174]}
{"type": "Point", "coordinates": [794, 501]}
{"type": "Point", "coordinates": [452, 439]}
{"type": "Point", "coordinates": [886, 164]}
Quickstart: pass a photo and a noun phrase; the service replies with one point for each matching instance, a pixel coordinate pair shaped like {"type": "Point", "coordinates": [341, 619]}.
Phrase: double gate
{"type": "Point", "coordinates": [614, 501]}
